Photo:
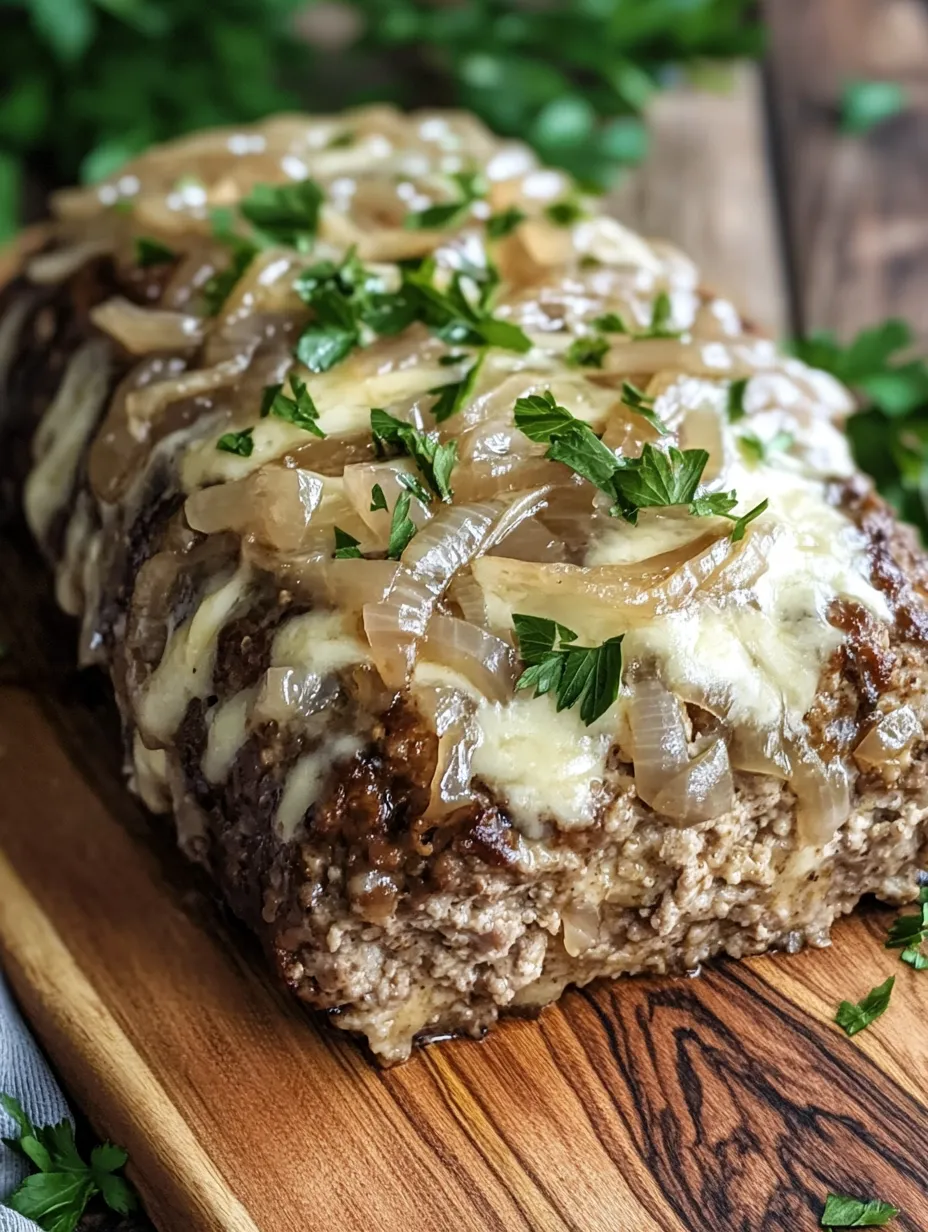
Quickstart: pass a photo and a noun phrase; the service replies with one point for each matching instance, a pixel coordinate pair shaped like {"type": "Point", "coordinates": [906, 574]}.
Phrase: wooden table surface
{"type": "Point", "coordinates": [729, 1102]}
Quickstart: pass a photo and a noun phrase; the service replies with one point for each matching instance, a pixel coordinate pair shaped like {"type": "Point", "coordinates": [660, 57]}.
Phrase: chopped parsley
{"type": "Point", "coordinates": [637, 400]}
{"type": "Point", "coordinates": [844, 1212]}
{"type": "Point", "coordinates": [150, 252]}
{"type": "Point", "coordinates": [854, 1018]}
{"type": "Point", "coordinates": [300, 410]}
{"type": "Point", "coordinates": [610, 323]}
{"type": "Point", "coordinates": [505, 222]}
{"type": "Point", "coordinates": [456, 317]}
{"type": "Point", "coordinates": [590, 675]}
{"type": "Point", "coordinates": [241, 443]}
{"type": "Point", "coordinates": [661, 316]}
{"type": "Point", "coordinates": [564, 213]}
{"type": "Point", "coordinates": [435, 461]}
{"type": "Point", "coordinates": [909, 932]}
{"type": "Point", "coordinates": [56, 1196]}
{"type": "Point", "coordinates": [284, 213]}
{"type": "Point", "coordinates": [378, 500]}
{"type": "Point", "coordinates": [736, 392]}
{"type": "Point", "coordinates": [332, 335]}
{"type": "Point", "coordinates": [587, 351]}
{"type": "Point", "coordinates": [218, 288]}
{"type": "Point", "coordinates": [346, 546]}
{"type": "Point", "coordinates": [756, 450]}
{"type": "Point", "coordinates": [656, 478]}
{"type": "Point", "coordinates": [453, 396]}
{"type": "Point", "coordinates": [471, 187]}
{"type": "Point", "coordinates": [402, 527]}
{"type": "Point", "coordinates": [415, 486]}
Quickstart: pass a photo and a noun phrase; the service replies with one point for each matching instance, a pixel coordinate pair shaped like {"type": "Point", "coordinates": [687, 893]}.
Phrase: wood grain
{"type": "Point", "coordinates": [725, 1103]}
{"type": "Point", "coordinates": [856, 217]}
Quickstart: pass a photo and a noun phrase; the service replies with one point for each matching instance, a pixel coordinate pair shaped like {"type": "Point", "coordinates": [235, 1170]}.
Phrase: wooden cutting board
{"type": "Point", "coordinates": [707, 1105]}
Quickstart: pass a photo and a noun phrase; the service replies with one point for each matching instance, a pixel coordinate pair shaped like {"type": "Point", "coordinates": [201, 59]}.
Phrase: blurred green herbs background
{"type": "Point", "coordinates": [87, 83]}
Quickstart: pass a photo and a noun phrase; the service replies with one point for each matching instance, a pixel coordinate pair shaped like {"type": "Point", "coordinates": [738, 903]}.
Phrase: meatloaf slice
{"type": "Point", "coordinates": [492, 608]}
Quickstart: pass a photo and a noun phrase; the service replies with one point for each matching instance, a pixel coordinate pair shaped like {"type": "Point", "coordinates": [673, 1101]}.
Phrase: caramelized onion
{"type": "Point", "coordinates": [444, 545]}
{"type": "Point", "coordinates": [451, 714]}
{"type": "Point", "coordinates": [143, 405]}
{"type": "Point", "coordinates": [581, 929]}
{"type": "Point", "coordinates": [659, 743]}
{"type": "Point", "coordinates": [486, 661]}
{"type": "Point", "coordinates": [702, 790]}
{"type": "Point", "coordinates": [823, 797]}
{"type": "Point", "coordinates": [59, 264]}
{"type": "Point", "coordinates": [286, 693]}
{"type": "Point", "coordinates": [360, 481]}
{"type": "Point", "coordinates": [891, 736]}
{"type": "Point", "coordinates": [143, 330]}
{"type": "Point", "coordinates": [273, 504]}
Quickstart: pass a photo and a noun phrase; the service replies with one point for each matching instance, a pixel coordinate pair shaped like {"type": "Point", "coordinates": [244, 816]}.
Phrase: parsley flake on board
{"type": "Point", "coordinates": [471, 187]}
{"type": "Point", "coordinates": [590, 675]}
{"type": "Point", "coordinates": [909, 932]}
{"type": "Point", "coordinates": [56, 1196]}
{"type": "Point", "coordinates": [435, 461]}
{"type": "Point", "coordinates": [854, 1018]}
{"type": "Point", "coordinates": [346, 546]}
{"type": "Point", "coordinates": [300, 410]}
{"type": "Point", "coordinates": [453, 396]}
{"type": "Point", "coordinates": [587, 352]}
{"type": "Point", "coordinates": [636, 400]}
{"type": "Point", "coordinates": [844, 1212]}
{"type": "Point", "coordinates": [402, 527]}
{"type": "Point", "coordinates": [241, 443]}
{"type": "Point", "coordinates": [378, 500]}
{"type": "Point", "coordinates": [505, 222]}
{"type": "Point", "coordinates": [150, 252]}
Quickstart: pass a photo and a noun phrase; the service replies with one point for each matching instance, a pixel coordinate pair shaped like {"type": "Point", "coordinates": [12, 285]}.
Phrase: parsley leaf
{"type": "Point", "coordinates": [564, 213]}
{"type": "Point", "coordinates": [284, 213]}
{"type": "Point", "coordinates": [659, 478]}
{"type": "Point", "coordinates": [585, 674]}
{"type": "Point", "coordinates": [865, 104]}
{"type": "Point", "coordinates": [453, 396]}
{"type": "Point", "coordinates": [434, 460]}
{"type": "Point", "coordinates": [587, 351]}
{"type": "Point", "coordinates": [55, 1197]}
{"type": "Point", "coordinates": [346, 546]}
{"type": "Point", "coordinates": [610, 323]}
{"type": "Point", "coordinates": [471, 188]}
{"type": "Point", "coordinates": [910, 930]}
{"type": "Point", "coordinates": [218, 288]}
{"type": "Point", "coordinates": [402, 527]}
{"type": "Point", "coordinates": [736, 392]}
{"type": "Point", "coordinates": [150, 252]}
{"type": "Point", "coordinates": [756, 450]}
{"type": "Point", "coordinates": [854, 1018]}
{"type": "Point", "coordinates": [300, 410]}
{"type": "Point", "coordinates": [741, 524]}
{"type": "Point", "coordinates": [569, 440]}
{"type": "Point", "coordinates": [415, 486]}
{"type": "Point", "coordinates": [843, 1212]}
{"type": "Point", "coordinates": [915, 959]}
{"type": "Point", "coordinates": [636, 400]}
{"type": "Point", "coordinates": [661, 316]}
{"type": "Point", "coordinates": [505, 222]}
{"type": "Point", "coordinates": [241, 443]}
{"type": "Point", "coordinates": [455, 317]}
{"type": "Point", "coordinates": [378, 500]}
{"type": "Point", "coordinates": [331, 336]}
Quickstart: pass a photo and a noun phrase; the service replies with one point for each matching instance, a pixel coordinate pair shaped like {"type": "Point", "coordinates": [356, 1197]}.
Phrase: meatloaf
{"type": "Point", "coordinates": [490, 605]}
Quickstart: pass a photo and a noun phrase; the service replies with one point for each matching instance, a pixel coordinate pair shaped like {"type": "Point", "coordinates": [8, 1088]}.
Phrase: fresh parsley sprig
{"type": "Point", "coordinates": [854, 1018]}
{"type": "Point", "coordinates": [844, 1212]}
{"type": "Point", "coordinates": [402, 527]}
{"type": "Point", "coordinates": [241, 443]}
{"type": "Point", "coordinates": [435, 461]}
{"type": "Point", "coordinates": [587, 351]}
{"type": "Point", "coordinates": [470, 186]}
{"type": "Point", "coordinates": [301, 410]}
{"type": "Point", "coordinates": [456, 316]}
{"type": "Point", "coordinates": [150, 252]}
{"type": "Point", "coordinates": [655, 479]}
{"type": "Point", "coordinates": [56, 1196]}
{"type": "Point", "coordinates": [590, 675]}
{"type": "Point", "coordinates": [346, 546]}
{"type": "Point", "coordinates": [909, 933]}
{"type": "Point", "coordinates": [453, 396]}
{"type": "Point", "coordinates": [285, 214]}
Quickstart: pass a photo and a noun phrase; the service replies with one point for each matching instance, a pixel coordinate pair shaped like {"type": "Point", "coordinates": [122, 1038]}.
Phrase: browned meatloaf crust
{"type": "Point", "coordinates": [406, 923]}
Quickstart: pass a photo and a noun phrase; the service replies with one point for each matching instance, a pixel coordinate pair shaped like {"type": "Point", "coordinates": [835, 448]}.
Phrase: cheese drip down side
{"type": "Point", "coordinates": [616, 329]}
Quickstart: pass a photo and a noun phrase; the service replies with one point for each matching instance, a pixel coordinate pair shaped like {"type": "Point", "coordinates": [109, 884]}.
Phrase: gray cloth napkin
{"type": "Point", "coordinates": [23, 1074]}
